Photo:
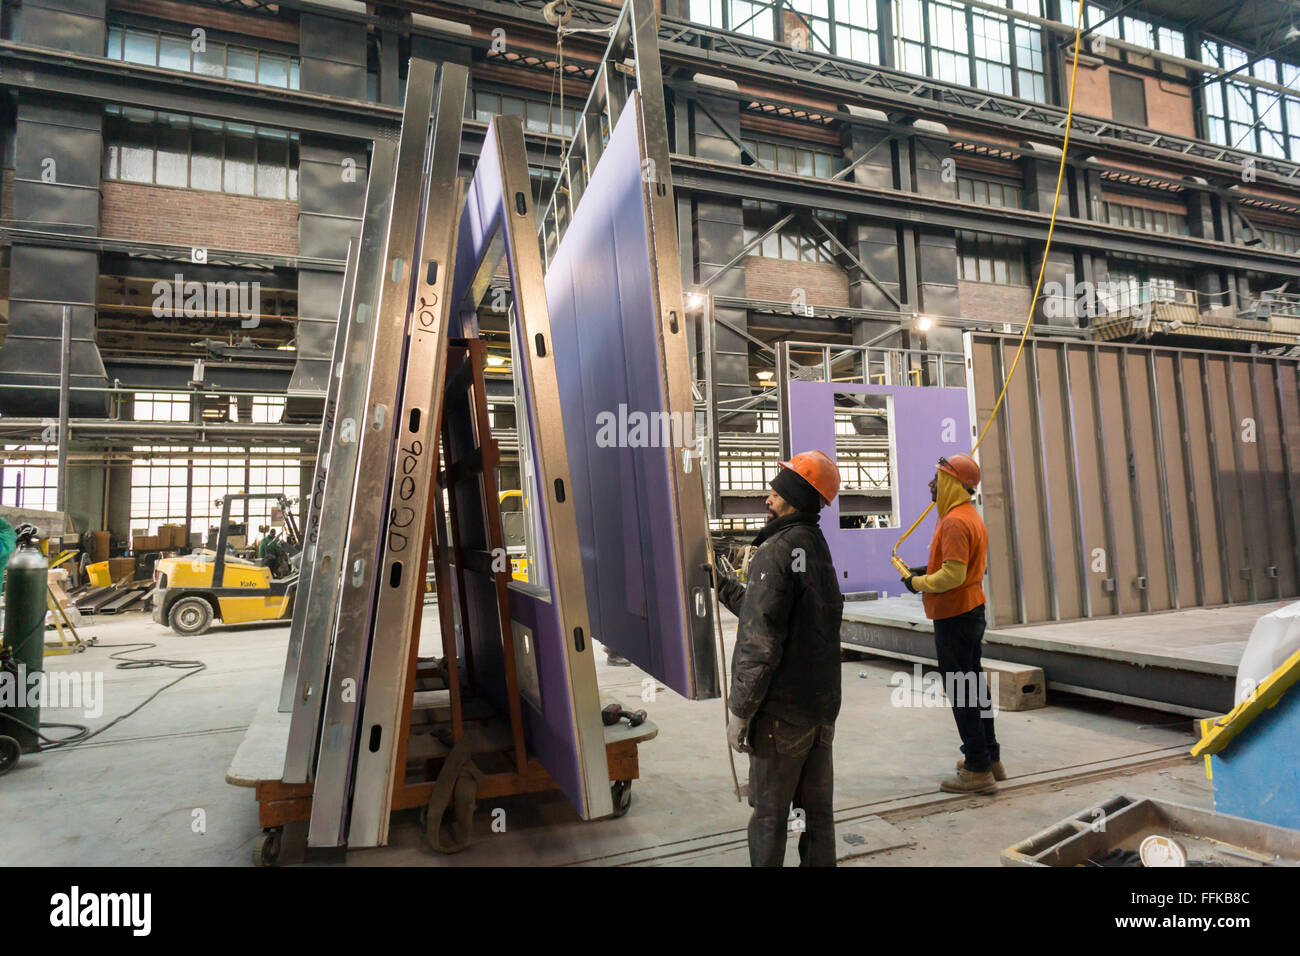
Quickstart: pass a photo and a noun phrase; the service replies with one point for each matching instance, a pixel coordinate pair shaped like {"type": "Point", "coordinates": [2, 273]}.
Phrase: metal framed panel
{"type": "Point", "coordinates": [563, 721]}
{"type": "Point", "coordinates": [400, 597]}
{"type": "Point", "coordinates": [311, 517]}
{"type": "Point", "coordinates": [369, 507]}
{"type": "Point", "coordinates": [614, 296]}
{"type": "Point", "coordinates": [311, 632]}
{"type": "Point", "coordinates": [1180, 532]}
{"type": "Point", "coordinates": [1182, 465]}
{"type": "Point", "coordinates": [1224, 422]}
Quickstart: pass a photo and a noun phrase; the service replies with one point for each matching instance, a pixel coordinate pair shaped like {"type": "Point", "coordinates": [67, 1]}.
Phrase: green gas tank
{"type": "Point", "coordinates": [22, 654]}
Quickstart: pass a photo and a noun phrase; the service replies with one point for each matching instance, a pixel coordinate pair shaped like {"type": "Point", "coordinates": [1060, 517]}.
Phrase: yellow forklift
{"type": "Point", "coordinates": [190, 591]}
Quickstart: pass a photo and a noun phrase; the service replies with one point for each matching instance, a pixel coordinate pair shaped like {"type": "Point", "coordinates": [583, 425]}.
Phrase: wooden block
{"type": "Point", "coordinates": [1019, 686]}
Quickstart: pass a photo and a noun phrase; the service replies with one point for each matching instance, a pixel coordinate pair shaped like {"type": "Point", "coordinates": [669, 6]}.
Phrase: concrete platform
{"type": "Point", "coordinates": [152, 789]}
{"type": "Point", "coordinates": [1184, 662]}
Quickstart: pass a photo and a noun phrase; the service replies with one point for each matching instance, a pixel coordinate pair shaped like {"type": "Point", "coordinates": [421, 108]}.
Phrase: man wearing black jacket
{"type": "Point", "coordinates": [785, 672]}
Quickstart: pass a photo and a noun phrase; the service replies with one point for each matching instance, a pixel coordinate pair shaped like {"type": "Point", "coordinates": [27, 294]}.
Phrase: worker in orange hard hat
{"type": "Point", "coordinates": [950, 590]}
{"type": "Point", "coordinates": [785, 672]}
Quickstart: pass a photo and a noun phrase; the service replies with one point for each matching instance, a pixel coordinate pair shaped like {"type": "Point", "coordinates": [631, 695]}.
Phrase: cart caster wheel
{"type": "Point", "coordinates": [10, 751]}
{"type": "Point", "coordinates": [621, 791]}
{"type": "Point", "coordinates": [268, 852]}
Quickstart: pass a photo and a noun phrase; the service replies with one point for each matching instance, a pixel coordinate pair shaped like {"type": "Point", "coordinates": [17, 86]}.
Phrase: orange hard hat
{"type": "Point", "coordinates": [818, 470]}
{"type": "Point", "coordinates": [961, 467]}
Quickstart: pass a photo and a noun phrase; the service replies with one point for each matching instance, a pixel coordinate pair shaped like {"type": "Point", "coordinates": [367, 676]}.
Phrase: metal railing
{"type": "Point", "coordinates": [869, 365]}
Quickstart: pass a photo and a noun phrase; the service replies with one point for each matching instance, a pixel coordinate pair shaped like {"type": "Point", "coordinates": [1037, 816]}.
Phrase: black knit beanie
{"type": "Point", "coordinates": [794, 488]}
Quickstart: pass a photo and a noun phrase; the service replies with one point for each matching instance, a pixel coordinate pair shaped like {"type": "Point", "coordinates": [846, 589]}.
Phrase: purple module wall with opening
{"type": "Point", "coordinates": [924, 424]}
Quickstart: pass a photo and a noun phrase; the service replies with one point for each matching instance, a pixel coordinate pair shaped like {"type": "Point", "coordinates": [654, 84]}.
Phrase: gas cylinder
{"type": "Point", "coordinates": [22, 654]}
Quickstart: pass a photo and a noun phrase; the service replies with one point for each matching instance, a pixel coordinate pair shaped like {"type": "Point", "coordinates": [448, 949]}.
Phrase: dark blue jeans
{"type": "Point", "coordinates": [958, 643]}
{"type": "Point", "coordinates": [791, 764]}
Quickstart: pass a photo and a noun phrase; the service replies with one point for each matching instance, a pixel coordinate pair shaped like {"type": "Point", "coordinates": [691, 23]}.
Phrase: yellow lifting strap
{"type": "Point", "coordinates": [898, 563]}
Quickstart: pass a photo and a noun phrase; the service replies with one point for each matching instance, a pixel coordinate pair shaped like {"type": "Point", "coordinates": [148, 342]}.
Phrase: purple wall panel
{"type": "Point", "coordinates": [550, 732]}
{"type": "Point", "coordinates": [920, 426]}
{"type": "Point", "coordinates": [600, 288]}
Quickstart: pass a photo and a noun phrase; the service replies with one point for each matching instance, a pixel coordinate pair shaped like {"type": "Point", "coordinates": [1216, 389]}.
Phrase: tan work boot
{"type": "Point", "coordinates": [999, 772]}
{"type": "Point", "coordinates": [968, 782]}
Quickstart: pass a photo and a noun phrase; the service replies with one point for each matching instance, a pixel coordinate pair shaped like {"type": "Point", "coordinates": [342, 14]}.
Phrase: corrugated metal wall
{"type": "Point", "coordinates": [1122, 479]}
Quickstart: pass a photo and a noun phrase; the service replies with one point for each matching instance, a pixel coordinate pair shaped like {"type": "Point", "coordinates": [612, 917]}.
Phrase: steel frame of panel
{"type": "Point", "coordinates": [1075, 490]}
{"type": "Point", "coordinates": [1044, 484]}
{"type": "Point", "coordinates": [634, 35]}
{"type": "Point", "coordinates": [1216, 484]}
{"type": "Point", "coordinates": [1234, 422]}
{"type": "Point", "coordinates": [1166, 471]}
{"type": "Point", "coordinates": [311, 519]}
{"type": "Point", "coordinates": [316, 603]}
{"type": "Point", "coordinates": [406, 535]}
{"type": "Point", "coordinates": [1189, 475]}
{"type": "Point", "coordinates": [1272, 569]}
{"type": "Point", "coordinates": [1134, 487]}
{"type": "Point", "coordinates": [1157, 423]}
{"type": "Point", "coordinates": [1293, 514]}
{"type": "Point", "coordinates": [1013, 520]}
{"type": "Point", "coordinates": [369, 510]}
{"type": "Point", "coordinates": [516, 239]}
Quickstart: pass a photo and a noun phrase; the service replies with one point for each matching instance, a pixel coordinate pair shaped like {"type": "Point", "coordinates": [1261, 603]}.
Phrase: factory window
{"type": "Point", "coordinates": [29, 477]}
{"type": "Point", "coordinates": [539, 116]}
{"type": "Point", "coordinates": [988, 192]}
{"type": "Point", "coordinates": [972, 47]}
{"type": "Point", "coordinates": [863, 424]}
{"type": "Point", "coordinates": [847, 28]}
{"type": "Point", "coordinates": [1241, 115]}
{"type": "Point", "coordinates": [793, 241]}
{"type": "Point", "coordinates": [161, 407]}
{"type": "Point", "coordinates": [1280, 241]}
{"type": "Point", "coordinates": [1135, 30]}
{"type": "Point", "coordinates": [985, 257]}
{"type": "Point", "coordinates": [180, 483]}
{"type": "Point", "coordinates": [168, 149]}
{"type": "Point", "coordinates": [205, 57]}
{"type": "Point", "coordinates": [1149, 220]}
{"type": "Point", "coordinates": [793, 159]}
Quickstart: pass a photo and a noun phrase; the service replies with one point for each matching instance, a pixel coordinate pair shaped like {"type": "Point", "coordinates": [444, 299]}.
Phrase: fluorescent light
{"type": "Point", "coordinates": [496, 361]}
{"type": "Point", "coordinates": [764, 376]}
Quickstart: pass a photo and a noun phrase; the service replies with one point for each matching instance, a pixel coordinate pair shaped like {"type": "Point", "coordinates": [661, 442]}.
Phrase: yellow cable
{"type": "Point", "coordinates": [1042, 269]}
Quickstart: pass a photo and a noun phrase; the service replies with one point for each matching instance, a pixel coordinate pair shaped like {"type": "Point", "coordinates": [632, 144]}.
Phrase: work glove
{"type": "Point", "coordinates": [737, 729]}
{"type": "Point", "coordinates": [907, 583]}
{"type": "Point", "coordinates": [918, 572]}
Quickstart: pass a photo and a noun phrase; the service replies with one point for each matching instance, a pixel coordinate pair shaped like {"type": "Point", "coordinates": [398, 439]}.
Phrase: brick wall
{"type": "Point", "coordinates": [824, 283]}
{"type": "Point", "coordinates": [990, 302]}
{"type": "Point", "coordinates": [144, 213]}
{"type": "Point", "coordinates": [1169, 101]}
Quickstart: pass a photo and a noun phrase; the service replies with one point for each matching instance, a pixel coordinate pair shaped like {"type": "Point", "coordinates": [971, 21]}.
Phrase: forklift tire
{"type": "Point", "coordinates": [190, 616]}
{"type": "Point", "coordinates": [10, 751]}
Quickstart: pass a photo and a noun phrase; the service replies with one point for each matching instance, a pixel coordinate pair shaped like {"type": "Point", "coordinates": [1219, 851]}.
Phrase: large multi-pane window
{"type": "Point", "coordinates": [168, 149]}
{"type": "Point", "coordinates": [848, 28]}
{"type": "Point", "coordinates": [1132, 29]}
{"type": "Point", "coordinates": [988, 192]}
{"type": "Point", "coordinates": [986, 257]}
{"type": "Point", "coordinates": [972, 46]}
{"type": "Point", "coordinates": [197, 54]}
{"type": "Point", "coordinates": [1149, 220]}
{"type": "Point", "coordinates": [29, 477]}
{"type": "Point", "coordinates": [173, 484]}
{"type": "Point", "coordinates": [540, 116]}
{"type": "Point", "coordinates": [800, 160]}
{"type": "Point", "coordinates": [1281, 241]}
{"type": "Point", "coordinates": [1245, 116]}
{"type": "Point", "coordinates": [793, 241]}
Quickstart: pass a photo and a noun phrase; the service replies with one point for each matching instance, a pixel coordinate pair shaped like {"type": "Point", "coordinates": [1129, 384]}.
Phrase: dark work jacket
{"type": "Point", "coordinates": [787, 657]}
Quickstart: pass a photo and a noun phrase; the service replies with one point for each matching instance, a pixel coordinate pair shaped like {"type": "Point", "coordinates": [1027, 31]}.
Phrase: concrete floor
{"type": "Point", "coordinates": [152, 789]}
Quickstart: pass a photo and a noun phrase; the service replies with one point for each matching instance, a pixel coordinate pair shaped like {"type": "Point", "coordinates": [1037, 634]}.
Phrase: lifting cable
{"type": "Point", "coordinates": [898, 562]}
